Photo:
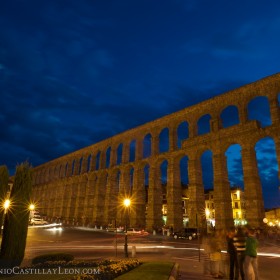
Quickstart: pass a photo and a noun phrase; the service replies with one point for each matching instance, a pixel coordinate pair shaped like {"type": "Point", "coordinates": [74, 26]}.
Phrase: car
{"type": "Point", "coordinates": [136, 231]}
{"type": "Point", "coordinates": [186, 233]}
{"type": "Point", "coordinates": [111, 229]}
{"type": "Point", "coordinates": [38, 221]}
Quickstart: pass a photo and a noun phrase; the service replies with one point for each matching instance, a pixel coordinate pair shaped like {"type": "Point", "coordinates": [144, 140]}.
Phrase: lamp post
{"type": "Point", "coordinates": [31, 213]}
{"type": "Point", "coordinates": [31, 207]}
{"type": "Point", "coordinates": [126, 204]}
{"type": "Point", "coordinates": [6, 206]}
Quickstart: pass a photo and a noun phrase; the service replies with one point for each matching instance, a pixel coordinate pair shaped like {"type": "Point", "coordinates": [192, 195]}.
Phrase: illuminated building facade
{"type": "Point", "coordinates": [237, 202]}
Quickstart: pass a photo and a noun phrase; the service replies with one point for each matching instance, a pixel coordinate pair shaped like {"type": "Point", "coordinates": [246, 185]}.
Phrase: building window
{"type": "Point", "coordinates": [236, 205]}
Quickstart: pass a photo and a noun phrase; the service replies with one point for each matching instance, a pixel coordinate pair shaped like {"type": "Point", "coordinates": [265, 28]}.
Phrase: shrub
{"type": "Point", "coordinates": [54, 257]}
{"type": "Point", "coordinates": [16, 219]}
{"type": "Point", "coordinates": [110, 270]}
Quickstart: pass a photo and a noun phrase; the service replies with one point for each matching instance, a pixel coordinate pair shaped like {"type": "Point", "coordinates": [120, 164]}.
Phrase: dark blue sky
{"type": "Point", "coordinates": [75, 72]}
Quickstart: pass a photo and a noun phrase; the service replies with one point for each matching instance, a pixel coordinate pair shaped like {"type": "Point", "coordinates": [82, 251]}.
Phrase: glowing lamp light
{"type": "Point", "coordinates": [31, 207]}
{"type": "Point", "coordinates": [6, 204]}
{"type": "Point", "coordinates": [207, 213]}
{"type": "Point", "coordinates": [127, 202]}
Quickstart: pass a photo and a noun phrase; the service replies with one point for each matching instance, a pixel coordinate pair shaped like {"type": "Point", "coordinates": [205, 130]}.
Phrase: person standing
{"type": "Point", "coordinates": [207, 265]}
{"type": "Point", "coordinates": [233, 271]}
{"type": "Point", "coordinates": [216, 255]}
{"type": "Point", "coordinates": [251, 255]}
{"type": "Point", "coordinates": [239, 242]}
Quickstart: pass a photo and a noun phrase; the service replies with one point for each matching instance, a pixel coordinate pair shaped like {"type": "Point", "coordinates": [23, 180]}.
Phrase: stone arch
{"type": "Point", "coordinates": [147, 145]}
{"type": "Point", "coordinates": [234, 165]}
{"type": "Point", "coordinates": [163, 171]}
{"type": "Point", "coordinates": [206, 159]}
{"type": "Point", "coordinates": [146, 170]}
{"type": "Point", "coordinates": [259, 105]}
{"type": "Point", "coordinates": [229, 116]}
{"type": "Point", "coordinates": [89, 162]}
{"type": "Point", "coordinates": [81, 165]}
{"type": "Point", "coordinates": [66, 170]}
{"type": "Point", "coordinates": [203, 124]}
{"type": "Point", "coordinates": [108, 157]}
{"type": "Point", "coordinates": [73, 167]}
{"type": "Point", "coordinates": [268, 168]}
{"type": "Point", "coordinates": [164, 140]}
{"type": "Point", "coordinates": [132, 150]}
{"type": "Point", "coordinates": [98, 160]}
{"type": "Point", "coordinates": [119, 153]}
{"type": "Point", "coordinates": [60, 171]}
{"type": "Point", "coordinates": [184, 179]}
{"type": "Point", "coordinates": [182, 132]}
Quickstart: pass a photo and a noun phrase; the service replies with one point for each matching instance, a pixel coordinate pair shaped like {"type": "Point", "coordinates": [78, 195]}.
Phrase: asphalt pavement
{"type": "Point", "coordinates": [84, 243]}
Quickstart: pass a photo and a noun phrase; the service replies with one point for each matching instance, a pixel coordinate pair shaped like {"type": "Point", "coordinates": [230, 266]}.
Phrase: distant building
{"type": "Point", "coordinates": [272, 217]}
{"type": "Point", "coordinates": [238, 206]}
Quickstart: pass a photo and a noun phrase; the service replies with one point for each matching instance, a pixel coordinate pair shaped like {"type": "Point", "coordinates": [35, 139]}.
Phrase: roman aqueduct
{"type": "Point", "coordinates": [88, 185]}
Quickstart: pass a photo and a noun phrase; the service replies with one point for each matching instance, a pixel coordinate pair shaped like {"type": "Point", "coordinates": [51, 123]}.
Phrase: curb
{"type": "Point", "coordinates": [174, 272]}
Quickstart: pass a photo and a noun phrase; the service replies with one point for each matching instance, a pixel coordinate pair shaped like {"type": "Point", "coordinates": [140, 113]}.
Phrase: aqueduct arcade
{"type": "Point", "coordinates": [88, 185]}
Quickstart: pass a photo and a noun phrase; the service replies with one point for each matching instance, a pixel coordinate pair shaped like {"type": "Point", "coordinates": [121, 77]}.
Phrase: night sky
{"type": "Point", "coordinates": [73, 73]}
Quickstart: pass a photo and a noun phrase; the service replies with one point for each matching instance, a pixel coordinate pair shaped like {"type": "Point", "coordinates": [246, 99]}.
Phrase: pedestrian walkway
{"type": "Point", "coordinates": [189, 267]}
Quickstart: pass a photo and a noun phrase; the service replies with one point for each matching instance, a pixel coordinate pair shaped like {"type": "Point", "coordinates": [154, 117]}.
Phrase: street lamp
{"type": "Point", "coordinates": [126, 204]}
{"type": "Point", "coordinates": [6, 206]}
{"type": "Point", "coordinates": [32, 207]}
{"type": "Point", "coordinates": [31, 213]}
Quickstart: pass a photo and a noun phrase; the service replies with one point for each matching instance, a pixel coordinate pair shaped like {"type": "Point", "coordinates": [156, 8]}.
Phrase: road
{"type": "Point", "coordinates": [92, 244]}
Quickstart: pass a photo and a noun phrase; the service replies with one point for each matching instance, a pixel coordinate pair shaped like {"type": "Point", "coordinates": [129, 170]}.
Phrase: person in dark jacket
{"type": "Point", "coordinates": [239, 242]}
{"type": "Point", "coordinates": [251, 255]}
{"type": "Point", "coordinates": [233, 265]}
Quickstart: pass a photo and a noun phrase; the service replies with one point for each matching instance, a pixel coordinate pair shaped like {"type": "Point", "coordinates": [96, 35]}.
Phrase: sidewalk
{"type": "Point", "coordinates": [188, 268]}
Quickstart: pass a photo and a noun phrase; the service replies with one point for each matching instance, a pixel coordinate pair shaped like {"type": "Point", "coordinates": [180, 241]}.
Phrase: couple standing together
{"type": "Point", "coordinates": [242, 250]}
{"type": "Point", "coordinates": [242, 253]}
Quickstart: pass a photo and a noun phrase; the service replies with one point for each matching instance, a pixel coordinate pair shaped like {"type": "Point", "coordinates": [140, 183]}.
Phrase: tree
{"type": "Point", "coordinates": [4, 181]}
{"type": "Point", "coordinates": [16, 219]}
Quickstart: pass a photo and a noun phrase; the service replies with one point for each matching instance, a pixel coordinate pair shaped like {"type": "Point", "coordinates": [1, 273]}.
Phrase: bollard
{"type": "Point", "coordinates": [133, 251]}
